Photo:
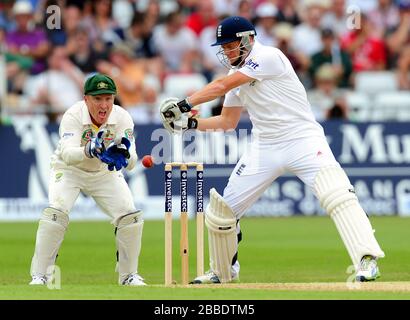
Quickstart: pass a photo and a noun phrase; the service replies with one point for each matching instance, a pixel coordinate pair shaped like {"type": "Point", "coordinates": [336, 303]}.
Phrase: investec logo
{"type": "Point", "coordinates": [184, 207]}
{"type": "Point", "coordinates": [168, 192]}
{"type": "Point", "coordinates": [199, 192]}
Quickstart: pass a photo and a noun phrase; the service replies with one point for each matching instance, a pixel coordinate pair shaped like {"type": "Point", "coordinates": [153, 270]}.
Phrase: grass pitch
{"type": "Point", "coordinates": [281, 258]}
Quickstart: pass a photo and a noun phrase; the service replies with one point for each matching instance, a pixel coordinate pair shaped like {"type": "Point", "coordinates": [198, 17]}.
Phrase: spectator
{"type": "Point", "coordinates": [399, 36]}
{"type": "Point", "coordinates": [327, 100]}
{"type": "Point", "coordinates": [152, 14]}
{"type": "Point", "coordinates": [81, 53]}
{"type": "Point", "coordinates": [78, 3]}
{"type": "Point", "coordinates": [6, 21]}
{"type": "Point", "coordinates": [211, 65]}
{"type": "Point", "coordinates": [335, 56]}
{"type": "Point", "coordinates": [336, 18]}
{"type": "Point", "coordinates": [283, 34]}
{"type": "Point", "coordinates": [17, 66]}
{"type": "Point", "coordinates": [245, 9]}
{"type": "Point", "coordinates": [60, 86]}
{"type": "Point", "coordinates": [203, 17]}
{"type": "Point", "coordinates": [265, 23]}
{"type": "Point", "coordinates": [147, 110]}
{"type": "Point", "coordinates": [127, 72]}
{"type": "Point", "coordinates": [123, 11]}
{"type": "Point", "coordinates": [176, 43]}
{"type": "Point", "coordinates": [187, 6]}
{"type": "Point", "coordinates": [287, 11]}
{"type": "Point", "coordinates": [27, 40]}
{"type": "Point", "coordinates": [71, 20]}
{"type": "Point", "coordinates": [306, 36]}
{"type": "Point", "coordinates": [403, 68]}
{"type": "Point", "coordinates": [139, 37]}
{"type": "Point", "coordinates": [384, 17]}
{"type": "Point", "coordinates": [225, 7]}
{"type": "Point", "coordinates": [368, 52]}
{"type": "Point", "coordinates": [365, 6]}
{"type": "Point", "coordinates": [101, 25]}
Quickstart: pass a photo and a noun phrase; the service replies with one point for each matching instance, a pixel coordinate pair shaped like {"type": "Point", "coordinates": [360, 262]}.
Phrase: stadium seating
{"type": "Point", "coordinates": [359, 106]}
{"type": "Point", "coordinates": [373, 82]}
{"type": "Point", "coordinates": [392, 106]}
{"type": "Point", "coordinates": [377, 98]}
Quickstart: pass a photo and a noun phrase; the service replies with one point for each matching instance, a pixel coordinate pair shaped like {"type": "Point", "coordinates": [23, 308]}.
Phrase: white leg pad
{"type": "Point", "coordinates": [223, 241]}
{"type": "Point", "coordinates": [50, 234]}
{"type": "Point", "coordinates": [128, 241]}
{"type": "Point", "coordinates": [337, 197]}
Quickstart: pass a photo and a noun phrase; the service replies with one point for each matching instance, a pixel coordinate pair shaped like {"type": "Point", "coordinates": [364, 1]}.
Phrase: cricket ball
{"type": "Point", "coordinates": [148, 161]}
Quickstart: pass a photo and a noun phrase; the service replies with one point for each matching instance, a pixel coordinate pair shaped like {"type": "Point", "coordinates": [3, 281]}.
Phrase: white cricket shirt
{"type": "Point", "coordinates": [76, 129]}
{"type": "Point", "coordinates": [276, 101]}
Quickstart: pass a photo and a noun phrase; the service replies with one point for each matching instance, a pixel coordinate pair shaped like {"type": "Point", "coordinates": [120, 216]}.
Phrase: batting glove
{"type": "Point", "coordinates": [181, 125]}
{"type": "Point", "coordinates": [171, 109]}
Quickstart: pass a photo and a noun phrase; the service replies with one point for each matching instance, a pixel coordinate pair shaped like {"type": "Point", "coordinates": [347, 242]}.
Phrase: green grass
{"type": "Point", "coordinates": [273, 250]}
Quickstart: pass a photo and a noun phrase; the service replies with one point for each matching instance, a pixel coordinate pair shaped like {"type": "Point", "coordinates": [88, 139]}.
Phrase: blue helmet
{"type": "Point", "coordinates": [233, 29]}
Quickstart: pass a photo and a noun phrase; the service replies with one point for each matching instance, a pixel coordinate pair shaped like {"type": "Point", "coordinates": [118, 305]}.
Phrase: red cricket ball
{"type": "Point", "coordinates": [148, 161]}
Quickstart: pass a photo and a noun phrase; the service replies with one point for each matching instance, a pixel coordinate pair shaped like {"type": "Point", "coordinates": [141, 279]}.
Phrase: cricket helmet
{"type": "Point", "coordinates": [234, 29]}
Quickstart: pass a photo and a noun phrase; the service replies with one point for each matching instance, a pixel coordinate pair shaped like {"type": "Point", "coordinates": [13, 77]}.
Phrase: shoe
{"type": "Point", "coordinates": [133, 280]}
{"type": "Point", "coordinates": [38, 280]}
{"type": "Point", "coordinates": [211, 278]}
{"type": "Point", "coordinates": [368, 269]}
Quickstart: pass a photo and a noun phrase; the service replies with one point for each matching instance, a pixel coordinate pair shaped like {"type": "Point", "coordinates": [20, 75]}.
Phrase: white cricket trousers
{"type": "Point", "coordinates": [263, 162]}
{"type": "Point", "coordinates": [108, 188]}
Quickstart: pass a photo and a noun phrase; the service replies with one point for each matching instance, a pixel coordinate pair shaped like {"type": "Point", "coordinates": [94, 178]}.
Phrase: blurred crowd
{"type": "Point", "coordinates": [51, 47]}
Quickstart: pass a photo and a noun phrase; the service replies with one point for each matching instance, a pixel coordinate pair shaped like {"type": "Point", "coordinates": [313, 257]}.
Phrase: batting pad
{"type": "Point", "coordinates": [337, 197]}
{"type": "Point", "coordinates": [50, 234]}
{"type": "Point", "coordinates": [223, 242]}
{"type": "Point", "coordinates": [128, 241]}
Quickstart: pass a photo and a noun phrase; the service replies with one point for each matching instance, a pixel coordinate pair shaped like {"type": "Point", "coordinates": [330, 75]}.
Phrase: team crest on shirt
{"type": "Point", "coordinates": [129, 134]}
{"type": "Point", "coordinates": [252, 64]}
{"type": "Point", "coordinates": [87, 135]}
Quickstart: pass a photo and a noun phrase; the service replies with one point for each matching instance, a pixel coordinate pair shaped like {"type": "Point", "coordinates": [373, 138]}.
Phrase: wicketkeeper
{"type": "Point", "coordinates": [286, 137]}
{"type": "Point", "coordinates": [96, 143]}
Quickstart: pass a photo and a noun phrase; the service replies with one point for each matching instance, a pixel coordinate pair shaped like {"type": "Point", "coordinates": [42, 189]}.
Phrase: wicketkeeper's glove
{"type": "Point", "coordinates": [117, 154]}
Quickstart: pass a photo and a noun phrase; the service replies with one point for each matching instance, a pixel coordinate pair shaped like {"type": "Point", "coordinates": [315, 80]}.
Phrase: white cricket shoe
{"type": "Point", "coordinates": [368, 269]}
{"type": "Point", "coordinates": [133, 279]}
{"type": "Point", "coordinates": [211, 278]}
{"type": "Point", "coordinates": [38, 280]}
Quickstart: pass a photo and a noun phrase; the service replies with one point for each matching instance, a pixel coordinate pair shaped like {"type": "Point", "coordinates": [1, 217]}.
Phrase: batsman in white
{"type": "Point", "coordinates": [96, 142]}
{"type": "Point", "coordinates": [286, 137]}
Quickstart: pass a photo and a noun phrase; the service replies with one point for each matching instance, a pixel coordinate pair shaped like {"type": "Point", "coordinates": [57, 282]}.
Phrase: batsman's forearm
{"type": "Point", "coordinates": [211, 91]}
{"type": "Point", "coordinates": [217, 122]}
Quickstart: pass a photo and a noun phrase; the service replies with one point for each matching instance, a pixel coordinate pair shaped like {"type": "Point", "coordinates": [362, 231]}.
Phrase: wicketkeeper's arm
{"type": "Point", "coordinates": [70, 139]}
